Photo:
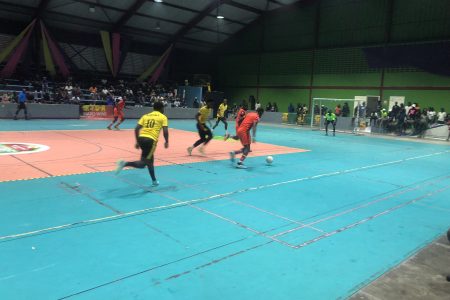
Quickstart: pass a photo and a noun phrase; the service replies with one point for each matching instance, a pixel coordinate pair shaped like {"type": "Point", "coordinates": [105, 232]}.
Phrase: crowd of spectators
{"type": "Point", "coordinates": [85, 92]}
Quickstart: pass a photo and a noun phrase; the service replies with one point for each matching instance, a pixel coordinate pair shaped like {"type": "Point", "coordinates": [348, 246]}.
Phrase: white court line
{"type": "Point", "coordinates": [218, 196]}
{"type": "Point", "coordinates": [357, 223]}
{"type": "Point", "coordinates": [358, 207]}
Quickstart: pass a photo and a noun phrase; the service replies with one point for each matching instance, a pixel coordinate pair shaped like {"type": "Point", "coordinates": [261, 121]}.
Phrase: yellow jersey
{"type": "Point", "coordinates": [221, 111]}
{"type": "Point", "coordinates": [204, 114]}
{"type": "Point", "coordinates": [151, 125]}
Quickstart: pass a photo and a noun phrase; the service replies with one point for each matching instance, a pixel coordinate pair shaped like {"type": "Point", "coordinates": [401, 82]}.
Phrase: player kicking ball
{"type": "Point", "coordinates": [147, 134]}
{"type": "Point", "coordinates": [239, 118]}
{"type": "Point", "coordinates": [250, 122]}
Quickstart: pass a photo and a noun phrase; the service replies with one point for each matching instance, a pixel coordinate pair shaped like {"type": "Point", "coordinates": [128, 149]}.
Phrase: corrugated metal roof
{"type": "Point", "coordinates": [185, 22]}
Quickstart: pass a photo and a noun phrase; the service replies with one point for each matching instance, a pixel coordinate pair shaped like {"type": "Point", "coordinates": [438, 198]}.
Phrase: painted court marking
{"type": "Point", "coordinates": [199, 200]}
{"type": "Point", "coordinates": [16, 148]}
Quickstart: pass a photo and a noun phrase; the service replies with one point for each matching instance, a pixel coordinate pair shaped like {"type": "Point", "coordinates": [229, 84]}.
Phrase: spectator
{"type": "Point", "coordinates": [275, 107]}
{"type": "Point", "coordinates": [269, 107]}
{"type": "Point", "coordinates": [345, 110]}
{"type": "Point", "coordinates": [291, 108]}
{"type": "Point", "coordinates": [431, 115]}
{"type": "Point", "coordinates": [257, 105]}
{"type": "Point", "coordinates": [93, 91]}
{"type": "Point", "coordinates": [337, 110]}
{"type": "Point", "coordinates": [441, 116]}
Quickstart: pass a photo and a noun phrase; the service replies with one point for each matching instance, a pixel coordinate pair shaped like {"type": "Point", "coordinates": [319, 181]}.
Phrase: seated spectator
{"type": "Point", "coordinates": [93, 91]}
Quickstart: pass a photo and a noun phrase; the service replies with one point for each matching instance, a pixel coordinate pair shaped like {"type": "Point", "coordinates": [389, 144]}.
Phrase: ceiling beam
{"type": "Point", "coordinates": [277, 2]}
{"type": "Point", "coordinates": [41, 8]}
{"type": "Point", "coordinates": [197, 11]}
{"type": "Point", "coordinates": [150, 17]}
{"type": "Point", "coordinates": [205, 12]}
{"type": "Point", "coordinates": [246, 7]}
{"type": "Point", "coordinates": [128, 15]}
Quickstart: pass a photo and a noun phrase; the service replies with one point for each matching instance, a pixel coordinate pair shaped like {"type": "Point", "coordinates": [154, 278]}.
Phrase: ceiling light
{"type": "Point", "coordinates": [220, 17]}
{"type": "Point", "coordinates": [158, 1]}
{"type": "Point", "coordinates": [92, 8]}
{"type": "Point", "coordinates": [158, 26]}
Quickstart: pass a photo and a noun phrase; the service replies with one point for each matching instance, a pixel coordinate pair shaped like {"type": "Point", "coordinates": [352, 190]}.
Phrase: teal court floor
{"type": "Point", "coordinates": [313, 225]}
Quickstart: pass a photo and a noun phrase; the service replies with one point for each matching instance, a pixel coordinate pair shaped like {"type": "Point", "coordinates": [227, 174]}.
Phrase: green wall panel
{"type": "Point", "coordinates": [292, 29]}
{"type": "Point", "coordinates": [420, 20]}
{"type": "Point", "coordinates": [286, 68]}
{"type": "Point", "coordinates": [350, 22]}
{"type": "Point", "coordinates": [415, 79]}
{"type": "Point", "coordinates": [283, 97]}
{"type": "Point", "coordinates": [354, 79]}
{"type": "Point", "coordinates": [237, 95]}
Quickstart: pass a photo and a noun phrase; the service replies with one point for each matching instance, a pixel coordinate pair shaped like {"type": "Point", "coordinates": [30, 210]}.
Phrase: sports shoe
{"type": "Point", "coordinates": [116, 128]}
{"type": "Point", "coordinates": [232, 156]}
{"type": "Point", "coordinates": [155, 183]}
{"type": "Point", "coordinates": [201, 149]}
{"type": "Point", "coordinates": [109, 127]}
{"type": "Point", "coordinates": [189, 150]}
{"type": "Point", "coordinates": [226, 137]}
{"type": "Point", "coordinates": [240, 165]}
{"type": "Point", "coordinates": [120, 165]}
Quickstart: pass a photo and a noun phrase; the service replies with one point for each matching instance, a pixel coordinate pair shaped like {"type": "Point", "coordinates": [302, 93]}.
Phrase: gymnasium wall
{"type": "Point", "coordinates": [315, 49]}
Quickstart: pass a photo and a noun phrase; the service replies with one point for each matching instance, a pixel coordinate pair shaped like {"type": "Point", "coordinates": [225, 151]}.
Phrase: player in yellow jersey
{"type": "Point", "coordinates": [221, 115]}
{"type": "Point", "coordinates": [147, 134]}
{"type": "Point", "coordinates": [203, 131]}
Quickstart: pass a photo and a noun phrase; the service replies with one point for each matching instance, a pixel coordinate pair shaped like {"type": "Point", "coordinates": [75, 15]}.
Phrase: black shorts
{"type": "Point", "coordinates": [328, 122]}
{"type": "Point", "coordinates": [21, 105]}
{"type": "Point", "coordinates": [148, 147]}
{"type": "Point", "coordinates": [203, 133]}
{"type": "Point", "coordinates": [223, 119]}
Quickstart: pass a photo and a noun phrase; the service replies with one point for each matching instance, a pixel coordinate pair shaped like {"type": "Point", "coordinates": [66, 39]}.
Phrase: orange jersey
{"type": "Point", "coordinates": [248, 121]}
{"type": "Point", "coordinates": [240, 116]}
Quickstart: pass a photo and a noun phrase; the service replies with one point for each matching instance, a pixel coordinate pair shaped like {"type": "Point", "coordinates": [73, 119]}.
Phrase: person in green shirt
{"type": "Point", "coordinates": [330, 117]}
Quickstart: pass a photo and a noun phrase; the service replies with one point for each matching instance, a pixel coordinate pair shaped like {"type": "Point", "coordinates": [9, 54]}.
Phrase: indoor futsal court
{"type": "Point", "coordinates": [317, 215]}
{"type": "Point", "coordinates": [225, 149]}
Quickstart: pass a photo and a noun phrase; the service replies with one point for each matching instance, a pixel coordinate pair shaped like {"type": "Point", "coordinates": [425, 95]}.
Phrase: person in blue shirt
{"type": "Point", "coordinates": [22, 99]}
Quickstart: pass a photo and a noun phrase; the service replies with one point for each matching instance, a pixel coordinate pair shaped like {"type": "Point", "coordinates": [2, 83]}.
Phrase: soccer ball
{"type": "Point", "coordinates": [269, 159]}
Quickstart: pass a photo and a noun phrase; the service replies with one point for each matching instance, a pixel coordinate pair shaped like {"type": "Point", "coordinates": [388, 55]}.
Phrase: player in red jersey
{"type": "Point", "coordinates": [250, 121]}
{"type": "Point", "coordinates": [118, 113]}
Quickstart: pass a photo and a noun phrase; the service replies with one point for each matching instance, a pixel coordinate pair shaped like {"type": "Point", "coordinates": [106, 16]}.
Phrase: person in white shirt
{"type": "Point", "coordinates": [441, 116]}
{"type": "Point", "coordinates": [431, 114]}
{"type": "Point", "coordinates": [257, 105]}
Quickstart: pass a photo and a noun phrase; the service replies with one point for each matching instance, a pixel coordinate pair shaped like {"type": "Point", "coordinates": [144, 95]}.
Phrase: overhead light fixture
{"type": "Point", "coordinates": [92, 8]}
{"type": "Point", "coordinates": [158, 26]}
{"type": "Point", "coordinates": [220, 17]}
{"type": "Point", "coordinates": [158, 1]}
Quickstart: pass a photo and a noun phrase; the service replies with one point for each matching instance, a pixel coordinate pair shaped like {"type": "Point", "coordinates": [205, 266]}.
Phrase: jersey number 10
{"type": "Point", "coordinates": [150, 123]}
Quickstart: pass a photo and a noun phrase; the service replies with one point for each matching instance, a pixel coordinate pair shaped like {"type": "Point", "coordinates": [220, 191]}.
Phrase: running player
{"type": "Point", "coordinates": [22, 99]}
{"type": "Point", "coordinates": [221, 115]}
{"type": "Point", "coordinates": [239, 117]}
{"type": "Point", "coordinates": [118, 113]}
{"type": "Point", "coordinates": [203, 131]}
{"type": "Point", "coordinates": [147, 134]}
{"type": "Point", "coordinates": [330, 117]}
{"type": "Point", "coordinates": [250, 121]}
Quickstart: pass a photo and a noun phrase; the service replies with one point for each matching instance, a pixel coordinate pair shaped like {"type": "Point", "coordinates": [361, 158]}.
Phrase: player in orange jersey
{"type": "Point", "coordinates": [250, 122]}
